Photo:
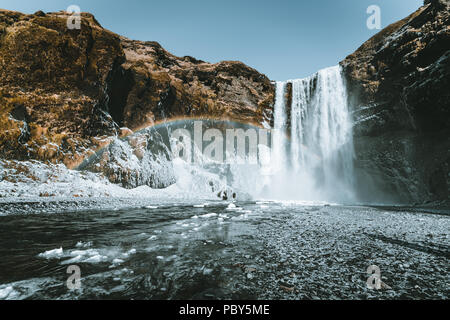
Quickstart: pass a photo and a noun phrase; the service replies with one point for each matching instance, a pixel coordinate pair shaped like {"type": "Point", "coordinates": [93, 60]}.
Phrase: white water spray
{"type": "Point", "coordinates": [311, 155]}
{"type": "Point", "coordinates": [280, 120]}
{"type": "Point", "coordinates": [317, 162]}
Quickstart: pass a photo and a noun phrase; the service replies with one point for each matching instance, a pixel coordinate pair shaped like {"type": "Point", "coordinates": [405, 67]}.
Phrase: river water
{"type": "Point", "coordinates": [140, 249]}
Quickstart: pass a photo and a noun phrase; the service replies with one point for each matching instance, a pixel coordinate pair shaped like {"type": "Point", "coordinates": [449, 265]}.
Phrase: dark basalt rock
{"type": "Point", "coordinates": [437, 3]}
{"type": "Point", "coordinates": [398, 82]}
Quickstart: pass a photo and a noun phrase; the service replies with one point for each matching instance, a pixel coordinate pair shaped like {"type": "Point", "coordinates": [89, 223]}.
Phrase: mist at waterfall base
{"type": "Point", "coordinates": [310, 157]}
{"type": "Point", "coordinates": [316, 162]}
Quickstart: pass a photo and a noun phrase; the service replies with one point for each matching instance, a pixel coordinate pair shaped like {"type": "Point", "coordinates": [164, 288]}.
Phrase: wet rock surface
{"type": "Point", "coordinates": [398, 85]}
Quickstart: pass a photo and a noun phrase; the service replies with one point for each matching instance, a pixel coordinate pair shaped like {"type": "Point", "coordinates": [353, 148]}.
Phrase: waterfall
{"type": "Point", "coordinates": [280, 120]}
{"type": "Point", "coordinates": [310, 157]}
{"type": "Point", "coordinates": [313, 148]}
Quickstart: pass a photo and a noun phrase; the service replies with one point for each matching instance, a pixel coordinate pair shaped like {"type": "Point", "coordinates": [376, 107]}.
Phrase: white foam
{"type": "Point", "coordinates": [50, 254]}
{"type": "Point", "coordinates": [89, 255]}
{"type": "Point", "coordinates": [81, 244]}
{"type": "Point", "coordinates": [234, 209]}
{"type": "Point", "coordinates": [90, 252]}
{"type": "Point", "coordinates": [200, 205]}
{"type": "Point", "coordinates": [208, 215]}
{"type": "Point", "coordinates": [5, 292]}
{"type": "Point", "coordinates": [95, 259]}
{"type": "Point", "coordinates": [118, 261]}
{"type": "Point", "coordinates": [73, 260]}
{"type": "Point", "coordinates": [240, 217]}
{"type": "Point", "coordinates": [24, 289]}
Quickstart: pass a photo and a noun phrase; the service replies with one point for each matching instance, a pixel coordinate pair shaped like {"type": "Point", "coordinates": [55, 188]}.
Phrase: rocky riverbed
{"type": "Point", "coordinates": [222, 250]}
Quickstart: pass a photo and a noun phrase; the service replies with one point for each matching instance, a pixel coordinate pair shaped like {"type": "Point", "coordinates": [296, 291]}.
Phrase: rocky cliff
{"type": "Point", "coordinates": [399, 84]}
{"type": "Point", "coordinates": [66, 93]}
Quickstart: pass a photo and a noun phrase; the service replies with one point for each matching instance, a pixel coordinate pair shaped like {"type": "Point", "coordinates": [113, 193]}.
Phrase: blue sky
{"type": "Point", "coordinates": [283, 39]}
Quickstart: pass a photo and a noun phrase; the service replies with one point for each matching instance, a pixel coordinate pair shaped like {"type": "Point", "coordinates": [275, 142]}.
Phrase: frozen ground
{"type": "Point", "coordinates": [45, 183]}
{"type": "Point", "coordinates": [147, 249]}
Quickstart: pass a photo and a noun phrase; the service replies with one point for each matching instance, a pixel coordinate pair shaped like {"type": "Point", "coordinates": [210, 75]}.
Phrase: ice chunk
{"type": "Point", "coordinates": [208, 215]}
{"type": "Point", "coordinates": [51, 254]}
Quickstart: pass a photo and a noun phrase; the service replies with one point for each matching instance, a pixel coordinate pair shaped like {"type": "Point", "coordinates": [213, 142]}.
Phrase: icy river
{"type": "Point", "coordinates": [139, 249]}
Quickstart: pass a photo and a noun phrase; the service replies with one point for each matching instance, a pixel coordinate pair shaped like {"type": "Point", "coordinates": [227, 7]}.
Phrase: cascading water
{"type": "Point", "coordinates": [311, 155]}
{"type": "Point", "coordinates": [280, 120]}
{"type": "Point", "coordinates": [317, 162]}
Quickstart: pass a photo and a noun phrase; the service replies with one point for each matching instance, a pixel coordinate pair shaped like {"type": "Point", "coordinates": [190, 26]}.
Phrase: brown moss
{"type": "Point", "coordinates": [61, 76]}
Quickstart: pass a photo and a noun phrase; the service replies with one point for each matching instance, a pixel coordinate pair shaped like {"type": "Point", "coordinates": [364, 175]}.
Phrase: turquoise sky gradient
{"type": "Point", "coordinates": [284, 39]}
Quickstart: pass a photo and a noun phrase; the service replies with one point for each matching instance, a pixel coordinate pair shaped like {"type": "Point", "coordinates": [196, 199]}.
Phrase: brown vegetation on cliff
{"type": "Point", "coordinates": [72, 89]}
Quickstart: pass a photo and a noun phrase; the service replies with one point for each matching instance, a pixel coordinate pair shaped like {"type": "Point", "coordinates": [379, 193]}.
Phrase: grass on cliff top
{"type": "Point", "coordinates": [378, 38]}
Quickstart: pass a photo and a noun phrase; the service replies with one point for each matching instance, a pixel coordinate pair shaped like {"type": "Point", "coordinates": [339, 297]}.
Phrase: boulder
{"type": "Point", "coordinates": [139, 159]}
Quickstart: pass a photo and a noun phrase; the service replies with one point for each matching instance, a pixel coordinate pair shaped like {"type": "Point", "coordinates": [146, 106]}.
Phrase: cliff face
{"type": "Point", "coordinates": [162, 85]}
{"type": "Point", "coordinates": [399, 84]}
{"type": "Point", "coordinates": [65, 93]}
{"type": "Point", "coordinates": [51, 81]}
